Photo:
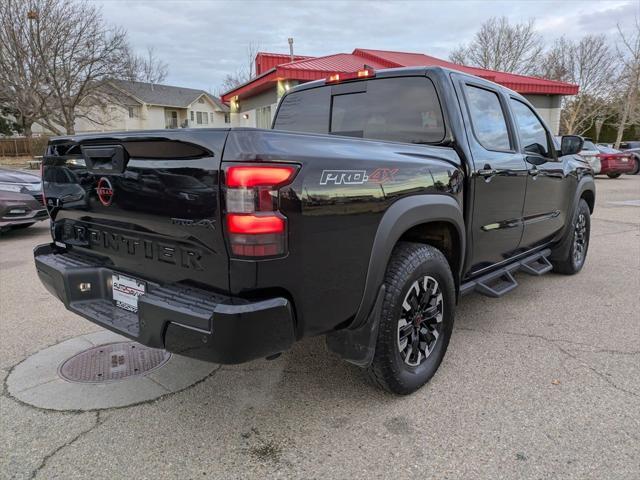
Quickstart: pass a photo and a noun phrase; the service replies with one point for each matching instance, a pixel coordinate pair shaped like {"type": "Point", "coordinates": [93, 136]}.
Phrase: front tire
{"type": "Point", "coordinates": [580, 233]}
{"type": "Point", "coordinates": [613, 175]}
{"type": "Point", "coordinates": [416, 320]}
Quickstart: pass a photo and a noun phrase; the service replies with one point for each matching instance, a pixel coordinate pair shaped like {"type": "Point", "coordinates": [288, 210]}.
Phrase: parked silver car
{"type": "Point", "coordinates": [19, 210]}
{"type": "Point", "coordinates": [590, 153]}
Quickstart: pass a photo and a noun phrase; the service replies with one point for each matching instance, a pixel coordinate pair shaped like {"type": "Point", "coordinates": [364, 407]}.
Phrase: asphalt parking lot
{"type": "Point", "coordinates": [544, 383]}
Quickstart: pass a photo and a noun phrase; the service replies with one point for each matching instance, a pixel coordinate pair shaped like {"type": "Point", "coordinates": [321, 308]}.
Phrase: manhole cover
{"type": "Point", "coordinates": [112, 362]}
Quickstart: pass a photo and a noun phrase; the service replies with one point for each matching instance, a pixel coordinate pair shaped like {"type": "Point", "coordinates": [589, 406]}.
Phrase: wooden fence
{"type": "Point", "coordinates": [23, 146]}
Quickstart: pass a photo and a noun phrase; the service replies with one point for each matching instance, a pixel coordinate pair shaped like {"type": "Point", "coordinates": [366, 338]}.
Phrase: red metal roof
{"type": "Point", "coordinates": [340, 62]}
{"type": "Point", "coordinates": [314, 68]}
{"type": "Point", "coordinates": [519, 83]}
{"type": "Point", "coordinates": [266, 61]}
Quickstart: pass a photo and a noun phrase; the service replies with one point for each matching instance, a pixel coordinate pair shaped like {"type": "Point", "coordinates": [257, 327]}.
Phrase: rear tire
{"type": "Point", "coordinates": [636, 168]}
{"type": "Point", "coordinates": [580, 232]}
{"type": "Point", "coordinates": [416, 319]}
{"type": "Point", "coordinates": [613, 175]}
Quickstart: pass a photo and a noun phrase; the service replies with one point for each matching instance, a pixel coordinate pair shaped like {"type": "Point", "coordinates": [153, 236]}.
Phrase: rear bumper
{"type": "Point", "coordinates": [32, 216]}
{"type": "Point", "coordinates": [183, 320]}
{"type": "Point", "coordinates": [616, 166]}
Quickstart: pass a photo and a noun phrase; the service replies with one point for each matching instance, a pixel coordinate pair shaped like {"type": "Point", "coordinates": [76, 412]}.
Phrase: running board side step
{"type": "Point", "coordinates": [501, 281]}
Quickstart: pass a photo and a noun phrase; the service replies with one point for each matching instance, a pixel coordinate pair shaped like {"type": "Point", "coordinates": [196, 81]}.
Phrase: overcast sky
{"type": "Point", "coordinates": [203, 40]}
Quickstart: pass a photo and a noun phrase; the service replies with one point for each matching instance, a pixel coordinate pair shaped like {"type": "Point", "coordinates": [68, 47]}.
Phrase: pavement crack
{"type": "Point", "coordinates": [266, 368]}
{"type": "Point", "coordinates": [598, 373]}
{"type": "Point", "coordinates": [615, 233]}
{"type": "Point", "coordinates": [164, 387]}
{"type": "Point", "coordinates": [555, 342]}
{"type": "Point", "coordinates": [98, 420]}
{"type": "Point", "coordinates": [530, 335]}
{"type": "Point", "coordinates": [616, 222]}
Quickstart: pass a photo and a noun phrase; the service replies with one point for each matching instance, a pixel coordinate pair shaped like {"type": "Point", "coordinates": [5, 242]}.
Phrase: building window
{"type": "Point", "coordinates": [201, 100]}
{"type": "Point", "coordinates": [191, 112]}
{"type": "Point", "coordinates": [263, 117]}
{"type": "Point", "coordinates": [199, 118]}
{"type": "Point", "coordinates": [132, 112]}
{"type": "Point", "coordinates": [211, 115]}
{"type": "Point", "coordinates": [227, 118]}
{"type": "Point", "coordinates": [205, 118]}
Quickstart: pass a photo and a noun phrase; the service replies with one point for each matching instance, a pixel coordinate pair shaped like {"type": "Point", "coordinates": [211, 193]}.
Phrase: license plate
{"type": "Point", "coordinates": [126, 291]}
{"type": "Point", "coordinates": [625, 159]}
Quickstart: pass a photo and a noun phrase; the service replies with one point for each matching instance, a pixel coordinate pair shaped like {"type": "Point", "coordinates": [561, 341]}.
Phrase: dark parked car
{"type": "Point", "coordinates": [19, 210]}
{"type": "Point", "coordinates": [630, 145]}
{"type": "Point", "coordinates": [377, 200]}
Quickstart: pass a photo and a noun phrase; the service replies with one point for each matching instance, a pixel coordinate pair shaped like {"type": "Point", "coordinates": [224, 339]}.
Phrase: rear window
{"type": "Point", "coordinates": [402, 109]}
{"type": "Point", "coordinates": [305, 111]}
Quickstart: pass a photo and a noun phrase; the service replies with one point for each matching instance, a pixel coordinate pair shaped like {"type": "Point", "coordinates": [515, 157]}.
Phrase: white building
{"type": "Point", "coordinates": [147, 106]}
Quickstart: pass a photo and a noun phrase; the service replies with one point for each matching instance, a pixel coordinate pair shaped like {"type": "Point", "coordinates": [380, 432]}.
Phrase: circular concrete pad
{"type": "Point", "coordinates": [37, 380]}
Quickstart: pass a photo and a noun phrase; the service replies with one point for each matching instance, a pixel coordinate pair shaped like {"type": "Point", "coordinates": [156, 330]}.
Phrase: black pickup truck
{"type": "Point", "coordinates": [376, 200]}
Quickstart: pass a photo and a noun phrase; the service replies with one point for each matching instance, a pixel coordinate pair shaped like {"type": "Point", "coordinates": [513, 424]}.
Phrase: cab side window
{"type": "Point", "coordinates": [487, 118]}
{"type": "Point", "coordinates": [533, 135]}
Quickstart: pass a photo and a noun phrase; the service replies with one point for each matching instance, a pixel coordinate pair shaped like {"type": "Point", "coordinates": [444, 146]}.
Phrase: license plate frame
{"type": "Point", "coordinates": [126, 290]}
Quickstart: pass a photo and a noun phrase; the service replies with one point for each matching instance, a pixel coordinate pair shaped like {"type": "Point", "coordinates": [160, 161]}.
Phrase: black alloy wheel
{"type": "Point", "coordinates": [420, 324]}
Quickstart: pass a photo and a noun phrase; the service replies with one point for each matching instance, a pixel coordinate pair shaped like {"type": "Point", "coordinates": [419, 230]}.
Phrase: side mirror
{"type": "Point", "coordinates": [570, 144]}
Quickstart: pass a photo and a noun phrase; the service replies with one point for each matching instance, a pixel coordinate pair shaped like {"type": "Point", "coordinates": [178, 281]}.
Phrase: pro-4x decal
{"type": "Point", "coordinates": [357, 177]}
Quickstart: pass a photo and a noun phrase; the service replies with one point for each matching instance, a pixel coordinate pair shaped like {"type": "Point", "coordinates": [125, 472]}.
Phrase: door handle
{"type": "Point", "coordinates": [534, 172]}
{"type": "Point", "coordinates": [487, 172]}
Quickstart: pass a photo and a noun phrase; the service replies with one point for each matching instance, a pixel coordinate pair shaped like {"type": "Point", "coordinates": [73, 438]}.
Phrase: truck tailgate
{"type": "Point", "coordinates": [147, 202]}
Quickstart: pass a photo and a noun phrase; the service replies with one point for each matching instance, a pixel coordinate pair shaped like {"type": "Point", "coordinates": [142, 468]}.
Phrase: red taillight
{"type": "Point", "coordinates": [258, 176]}
{"type": "Point", "coordinates": [255, 227]}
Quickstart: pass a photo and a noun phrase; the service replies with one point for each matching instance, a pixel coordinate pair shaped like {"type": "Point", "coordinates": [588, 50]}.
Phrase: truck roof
{"type": "Point", "coordinates": [408, 72]}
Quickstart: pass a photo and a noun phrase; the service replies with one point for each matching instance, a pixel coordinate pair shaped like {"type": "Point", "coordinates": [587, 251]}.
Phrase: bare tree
{"type": "Point", "coordinates": [148, 68]}
{"type": "Point", "coordinates": [629, 53]}
{"type": "Point", "coordinates": [56, 58]}
{"type": "Point", "coordinates": [589, 63]}
{"type": "Point", "coordinates": [498, 45]}
{"type": "Point", "coordinates": [80, 55]}
{"type": "Point", "coordinates": [244, 73]}
{"type": "Point", "coordinates": [22, 77]}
